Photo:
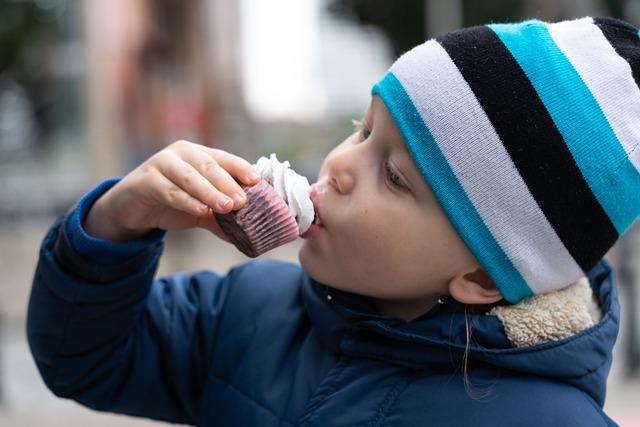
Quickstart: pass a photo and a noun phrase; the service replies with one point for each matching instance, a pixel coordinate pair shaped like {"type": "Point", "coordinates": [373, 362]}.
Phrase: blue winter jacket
{"type": "Point", "coordinates": [266, 345]}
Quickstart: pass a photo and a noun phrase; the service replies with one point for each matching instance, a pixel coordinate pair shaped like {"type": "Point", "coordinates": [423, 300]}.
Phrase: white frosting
{"type": "Point", "coordinates": [293, 188]}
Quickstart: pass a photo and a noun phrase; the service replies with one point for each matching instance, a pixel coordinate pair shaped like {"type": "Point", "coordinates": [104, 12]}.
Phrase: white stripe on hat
{"type": "Point", "coordinates": [607, 75]}
{"type": "Point", "coordinates": [483, 167]}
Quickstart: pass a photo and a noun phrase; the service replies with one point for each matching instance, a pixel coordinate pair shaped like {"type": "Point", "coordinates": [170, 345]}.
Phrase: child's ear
{"type": "Point", "coordinates": [474, 287]}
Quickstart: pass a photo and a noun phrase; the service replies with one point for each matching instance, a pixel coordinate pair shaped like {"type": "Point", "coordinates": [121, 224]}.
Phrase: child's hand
{"type": "Point", "coordinates": [173, 189]}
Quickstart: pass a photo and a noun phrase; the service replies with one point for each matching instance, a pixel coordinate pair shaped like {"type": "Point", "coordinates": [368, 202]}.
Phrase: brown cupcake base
{"type": "Point", "coordinates": [263, 223]}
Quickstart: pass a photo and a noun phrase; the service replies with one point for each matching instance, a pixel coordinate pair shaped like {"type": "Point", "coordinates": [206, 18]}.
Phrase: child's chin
{"type": "Point", "coordinates": [309, 261]}
{"type": "Point", "coordinates": [303, 257]}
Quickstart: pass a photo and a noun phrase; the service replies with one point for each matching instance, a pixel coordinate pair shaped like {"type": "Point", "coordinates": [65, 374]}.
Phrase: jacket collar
{"type": "Point", "coordinates": [348, 323]}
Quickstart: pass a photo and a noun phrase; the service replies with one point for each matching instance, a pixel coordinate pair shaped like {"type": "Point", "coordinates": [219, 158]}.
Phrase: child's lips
{"type": "Point", "coordinates": [317, 226]}
{"type": "Point", "coordinates": [316, 206]}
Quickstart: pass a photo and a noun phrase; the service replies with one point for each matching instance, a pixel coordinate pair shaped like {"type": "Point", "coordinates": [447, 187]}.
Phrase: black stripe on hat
{"type": "Point", "coordinates": [624, 39]}
{"type": "Point", "coordinates": [533, 142]}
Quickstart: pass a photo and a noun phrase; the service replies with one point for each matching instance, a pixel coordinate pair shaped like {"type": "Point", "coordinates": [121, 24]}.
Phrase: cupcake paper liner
{"type": "Point", "coordinates": [263, 223]}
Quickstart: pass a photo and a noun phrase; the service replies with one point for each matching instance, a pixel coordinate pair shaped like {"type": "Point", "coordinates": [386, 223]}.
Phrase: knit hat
{"type": "Point", "coordinates": [528, 134]}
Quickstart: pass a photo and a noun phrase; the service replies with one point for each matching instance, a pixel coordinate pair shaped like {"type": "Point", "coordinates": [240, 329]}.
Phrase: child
{"type": "Point", "coordinates": [495, 162]}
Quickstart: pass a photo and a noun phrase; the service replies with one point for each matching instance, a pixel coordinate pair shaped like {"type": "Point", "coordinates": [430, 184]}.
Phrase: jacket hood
{"type": "Point", "coordinates": [348, 323]}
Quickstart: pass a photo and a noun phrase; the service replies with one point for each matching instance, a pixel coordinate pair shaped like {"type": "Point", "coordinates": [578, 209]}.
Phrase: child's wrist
{"type": "Point", "coordinates": [100, 223]}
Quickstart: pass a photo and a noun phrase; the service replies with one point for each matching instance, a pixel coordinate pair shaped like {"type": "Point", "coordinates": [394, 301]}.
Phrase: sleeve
{"type": "Point", "coordinates": [97, 250]}
{"type": "Point", "coordinates": [114, 339]}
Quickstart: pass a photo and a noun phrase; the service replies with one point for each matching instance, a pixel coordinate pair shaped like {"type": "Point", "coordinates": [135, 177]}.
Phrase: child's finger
{"type": "Point", "coordinates": [235, 165]}
{"type": "Point", "coordinates": [187, 178]}
{"type": "Point", "coordinates": [208, 167]}
{"type": "Point", "coordinates": [175, 197]}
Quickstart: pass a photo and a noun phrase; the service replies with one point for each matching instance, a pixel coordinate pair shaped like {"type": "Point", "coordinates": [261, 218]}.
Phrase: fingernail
{"type": "Point", "coordinates": [237, 198]}
{"type": "Point", "coordinates": [253, 176]}
{"type": "Point", "coordinates": [224, 202]}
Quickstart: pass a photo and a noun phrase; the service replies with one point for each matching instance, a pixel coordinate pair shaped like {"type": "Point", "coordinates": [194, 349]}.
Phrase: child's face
{"type": "Point", "coordinates": [385, 236]}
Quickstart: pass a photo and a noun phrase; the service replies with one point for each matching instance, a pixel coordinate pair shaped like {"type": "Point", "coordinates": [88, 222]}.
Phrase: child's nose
{"type": "Point", "coordinates": [342, 174]}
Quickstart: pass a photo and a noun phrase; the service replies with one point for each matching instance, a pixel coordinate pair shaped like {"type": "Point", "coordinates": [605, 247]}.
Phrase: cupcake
{"type": "Point", "coordinates": [277, 211]}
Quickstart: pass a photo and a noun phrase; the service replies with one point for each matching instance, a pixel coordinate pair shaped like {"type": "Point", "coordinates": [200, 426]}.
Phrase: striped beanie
{"type": "Point", "coordinates": [528, 134]}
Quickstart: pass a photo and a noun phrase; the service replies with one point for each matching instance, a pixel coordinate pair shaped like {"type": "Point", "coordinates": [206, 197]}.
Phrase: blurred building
{"type": "Point", "coordinates": [158, 70]}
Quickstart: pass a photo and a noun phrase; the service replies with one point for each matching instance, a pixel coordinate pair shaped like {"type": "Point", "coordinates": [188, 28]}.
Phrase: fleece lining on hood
{"type": "Point", "coordinates": [551, 316]}
{"type": "Point", "coordinates": [350, 324]}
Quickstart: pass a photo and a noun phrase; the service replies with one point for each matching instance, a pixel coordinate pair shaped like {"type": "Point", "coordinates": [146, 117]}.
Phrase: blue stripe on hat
{"type": "Point", "coordinates": [438, 174]}
{"type": "Point", "coordinates": [578, 117]}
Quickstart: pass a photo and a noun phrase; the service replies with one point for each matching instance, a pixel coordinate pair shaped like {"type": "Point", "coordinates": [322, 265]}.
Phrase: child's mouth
{"type": "Point", "coordinates": [313, 230]}
{"type": "Point", "coordinates": [316, 219]}
{"type": "Point", "coordinates": [316, 224]}
{"type": "Point", "coordinates": [313, 195]}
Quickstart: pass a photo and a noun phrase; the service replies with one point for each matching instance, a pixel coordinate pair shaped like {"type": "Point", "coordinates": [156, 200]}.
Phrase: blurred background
{"type": "Point", "coordinates": [89, 89]}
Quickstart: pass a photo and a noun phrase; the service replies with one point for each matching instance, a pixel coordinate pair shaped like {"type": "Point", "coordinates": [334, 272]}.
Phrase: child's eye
{"type": "Point", "coordinates": [393, 177]}
{"type": "Point", "coordinates": [361, 128]}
